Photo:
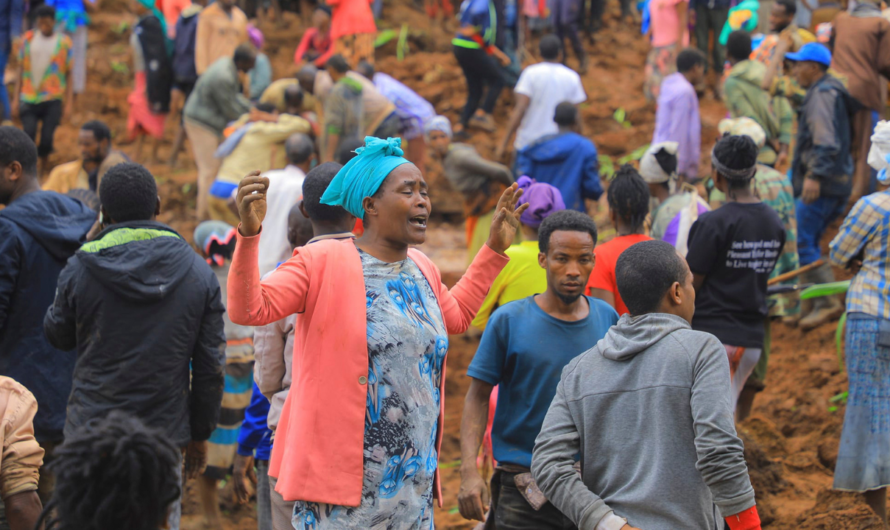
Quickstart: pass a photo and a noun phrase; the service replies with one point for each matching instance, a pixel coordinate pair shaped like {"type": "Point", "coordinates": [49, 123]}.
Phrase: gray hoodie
{"type": "Point", "coordinates": [648, 408]}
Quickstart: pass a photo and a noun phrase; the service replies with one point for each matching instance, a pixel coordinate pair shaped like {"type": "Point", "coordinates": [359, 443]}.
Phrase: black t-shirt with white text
{"type": "Point", "coordinates": [736, 248]}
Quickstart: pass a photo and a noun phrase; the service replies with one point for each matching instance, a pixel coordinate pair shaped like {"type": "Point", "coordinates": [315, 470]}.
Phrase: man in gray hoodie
{"type": "Point", "coordinates": [649, 410]}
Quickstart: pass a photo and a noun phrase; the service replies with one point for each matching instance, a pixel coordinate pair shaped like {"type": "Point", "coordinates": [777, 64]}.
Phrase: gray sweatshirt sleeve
{"type": "Point", "coordinates": [553, 466]}
{"type": "Point", "coordinates": [721, 461]}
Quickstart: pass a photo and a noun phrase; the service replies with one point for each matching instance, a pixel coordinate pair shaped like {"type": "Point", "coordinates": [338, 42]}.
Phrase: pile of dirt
{"type": "Point", "coordinates": [791, 439]}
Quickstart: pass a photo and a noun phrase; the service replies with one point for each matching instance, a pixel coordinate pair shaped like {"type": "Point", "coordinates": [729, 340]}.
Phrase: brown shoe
{"type": "Point", "coordinates": [484, 122]}
{"type": "Point", "coordinates": [825, 309]}
{"type": "Point", "coordinates": [823, 314]}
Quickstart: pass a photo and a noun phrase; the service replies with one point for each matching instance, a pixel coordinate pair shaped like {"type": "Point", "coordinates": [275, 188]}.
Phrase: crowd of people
{"type": "Point", "coordinates": [301, 351]}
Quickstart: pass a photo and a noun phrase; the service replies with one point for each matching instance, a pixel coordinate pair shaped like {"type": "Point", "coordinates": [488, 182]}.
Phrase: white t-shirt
{"type": "Point", "coordinates": [42, 50]}
{"type": "Point", "coordinates": [286, 186]}
{"type": "Point", "coordinates": [547, 85]}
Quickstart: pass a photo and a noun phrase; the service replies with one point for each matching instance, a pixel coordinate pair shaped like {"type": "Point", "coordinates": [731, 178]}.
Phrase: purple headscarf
{"type": "Point", "coordinates": [255, 36]}
{"type": "Point", "coordinates": [543, 200]}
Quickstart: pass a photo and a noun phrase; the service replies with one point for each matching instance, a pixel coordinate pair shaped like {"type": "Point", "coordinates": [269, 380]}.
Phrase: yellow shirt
{"type": "Point", "coordinates": [262, 148]}
{"type": "Point", "coordinates": [521, 278]}
{"type": "Point", "coordinates": [274, 94]}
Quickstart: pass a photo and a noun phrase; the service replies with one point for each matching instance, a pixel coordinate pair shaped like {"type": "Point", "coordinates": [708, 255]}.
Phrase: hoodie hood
{"type": "Point", "coordinates": [749, 71]}
{"type": "Point", "coordinates": [58, 223]}
{"type": "Point", "coordinates": [139, 260]}
{"type": "Point", "coordinates": [632, 335]}
{"type": "Point", "coordinates": [553, 148]}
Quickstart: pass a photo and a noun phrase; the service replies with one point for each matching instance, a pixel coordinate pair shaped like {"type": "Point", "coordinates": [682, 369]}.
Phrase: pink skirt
{"type": "Point", "coordinates": [141, 117]}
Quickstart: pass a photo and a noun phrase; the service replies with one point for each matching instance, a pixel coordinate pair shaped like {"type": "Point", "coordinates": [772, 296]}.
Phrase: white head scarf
{"type": "Point", "coordinates": [879, 155]}
{"type": "Point", "coordinates": [650, 169]}
{"type": "Point", "coordinates": [743, 127]}
{"type": "Point", "coordinates": [439, 123]}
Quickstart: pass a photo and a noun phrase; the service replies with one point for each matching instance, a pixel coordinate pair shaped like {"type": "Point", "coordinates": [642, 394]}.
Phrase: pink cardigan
{"type": "Point", "coordinates": [318, 451]}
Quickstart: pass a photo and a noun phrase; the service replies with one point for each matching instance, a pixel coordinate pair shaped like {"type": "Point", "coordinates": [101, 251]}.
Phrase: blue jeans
{"type": "Point", "coordinates": [812, 220]}
{"type": "Point", "coordinates": [4, 95]}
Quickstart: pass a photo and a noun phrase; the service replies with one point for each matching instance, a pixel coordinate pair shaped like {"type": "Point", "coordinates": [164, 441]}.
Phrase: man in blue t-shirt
{"type": "Point", "coordinates": [525, 347]}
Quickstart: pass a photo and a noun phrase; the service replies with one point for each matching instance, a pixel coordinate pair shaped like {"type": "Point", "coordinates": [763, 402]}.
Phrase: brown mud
{"type": "Point", "coordinates": [792, 436]}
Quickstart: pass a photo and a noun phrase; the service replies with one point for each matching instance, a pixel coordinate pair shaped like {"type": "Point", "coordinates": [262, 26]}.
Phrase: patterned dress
{"type": "Point", "coordinates": [863, 460]}
{"type": "Point", "coordinates": [407, 342]}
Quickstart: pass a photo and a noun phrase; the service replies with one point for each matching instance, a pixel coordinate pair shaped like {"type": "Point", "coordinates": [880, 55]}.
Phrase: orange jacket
{"type": "Point", "coordinates": [317, 454]}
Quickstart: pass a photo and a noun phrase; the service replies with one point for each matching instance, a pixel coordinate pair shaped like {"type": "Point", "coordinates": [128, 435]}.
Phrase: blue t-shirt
{"type": "Point", "coordinates": [524, 351]}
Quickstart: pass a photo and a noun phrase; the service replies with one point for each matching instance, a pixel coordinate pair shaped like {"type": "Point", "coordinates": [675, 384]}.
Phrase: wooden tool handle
{"type": "Point", "coordinates": [796, 272]}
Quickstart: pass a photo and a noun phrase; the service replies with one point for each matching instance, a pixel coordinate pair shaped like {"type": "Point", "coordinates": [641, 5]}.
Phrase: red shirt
{"type": "Point", "coordinates": [320, 43]}
{"type": "Point", "coordinates": [603, 275]}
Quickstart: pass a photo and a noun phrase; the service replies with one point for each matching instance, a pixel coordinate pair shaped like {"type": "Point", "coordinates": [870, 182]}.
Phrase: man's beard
{"type": "Point", "coordinates": [567, 299]}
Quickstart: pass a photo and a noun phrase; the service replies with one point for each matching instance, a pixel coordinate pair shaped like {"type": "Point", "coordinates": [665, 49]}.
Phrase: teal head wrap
{"type": "Point", "coordinates": [364, 174]}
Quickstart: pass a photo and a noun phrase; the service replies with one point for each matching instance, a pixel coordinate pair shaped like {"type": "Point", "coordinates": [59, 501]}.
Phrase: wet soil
{"type": "Point", "coordinates": [792, 435]}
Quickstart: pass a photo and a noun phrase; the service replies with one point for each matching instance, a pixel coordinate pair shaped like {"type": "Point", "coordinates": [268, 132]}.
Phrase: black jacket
{"type": "Point", "coordinates": [140, 305]}
{"type": "Point", "coordinates": [824, 138]}
{"type": "Point", "coordinates": [39, 231]}
{"type": "Point", "coordinates": [158, 64]}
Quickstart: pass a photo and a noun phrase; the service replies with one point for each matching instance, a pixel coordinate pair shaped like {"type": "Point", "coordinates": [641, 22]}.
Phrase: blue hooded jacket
{"type": "Point", "coordinates": [38, 233]}
{"type": "Point", "coordinates": [567, 161]}
{"type": "Point", "coordinates": [184, 71]}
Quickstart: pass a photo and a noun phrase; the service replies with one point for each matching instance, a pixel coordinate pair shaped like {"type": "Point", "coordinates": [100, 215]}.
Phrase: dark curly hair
{"type": "Point", "coordinates": [629, 196]}
{"type": "Point", "coordinates": [314, 186]}
{"type": "Point", "coordinates": [564, 220]}
{"type": "Point", "coordinates": [114, 473]}
{"type": "Point", "coordinates": [128, 192]}
{"type": "Point", "coordinates": [644, 273]}
{"type": "Point", "coordinates": [16, 146]}
{"type": "Point", "coordinates": [99, 129]}
{"type": "Point", "coordinates": [737, 152]}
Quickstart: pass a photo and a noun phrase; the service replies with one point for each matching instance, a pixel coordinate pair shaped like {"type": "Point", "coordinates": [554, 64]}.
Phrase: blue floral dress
{"type": "Point", "coordinates": [407, 342]}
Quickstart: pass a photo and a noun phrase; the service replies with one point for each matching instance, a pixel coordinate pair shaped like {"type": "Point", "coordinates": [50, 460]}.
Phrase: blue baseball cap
{"type": "Point", "coordinates": [812, 51]}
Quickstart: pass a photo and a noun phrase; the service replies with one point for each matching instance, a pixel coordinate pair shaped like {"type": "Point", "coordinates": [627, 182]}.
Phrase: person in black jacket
{"type": "Point", "coordinates": [822, 170]}
{"type": "Point", "coordinates": [39, 231]}
{"type": "Point", "coordinates": [153, 78]}
{"type": "Point", "coordinates": [140, 306]}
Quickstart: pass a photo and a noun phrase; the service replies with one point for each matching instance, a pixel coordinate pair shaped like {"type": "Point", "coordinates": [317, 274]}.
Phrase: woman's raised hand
{"type": "Point", "coordinates": [251, 200]}
{"type": "Point", "coordinates": [506, 219]}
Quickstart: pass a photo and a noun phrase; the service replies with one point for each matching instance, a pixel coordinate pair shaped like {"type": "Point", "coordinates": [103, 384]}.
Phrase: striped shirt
{"type": "Point", "coordinates": [866, 231]}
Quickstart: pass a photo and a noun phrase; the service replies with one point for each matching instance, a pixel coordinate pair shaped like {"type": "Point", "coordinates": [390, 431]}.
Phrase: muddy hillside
{"type": "Point", "coordinates": [791, 438]}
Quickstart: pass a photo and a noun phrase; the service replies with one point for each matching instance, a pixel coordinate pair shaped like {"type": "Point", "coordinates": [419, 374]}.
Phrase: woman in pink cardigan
{"type": "Point", "coordinates": [358, 441]}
